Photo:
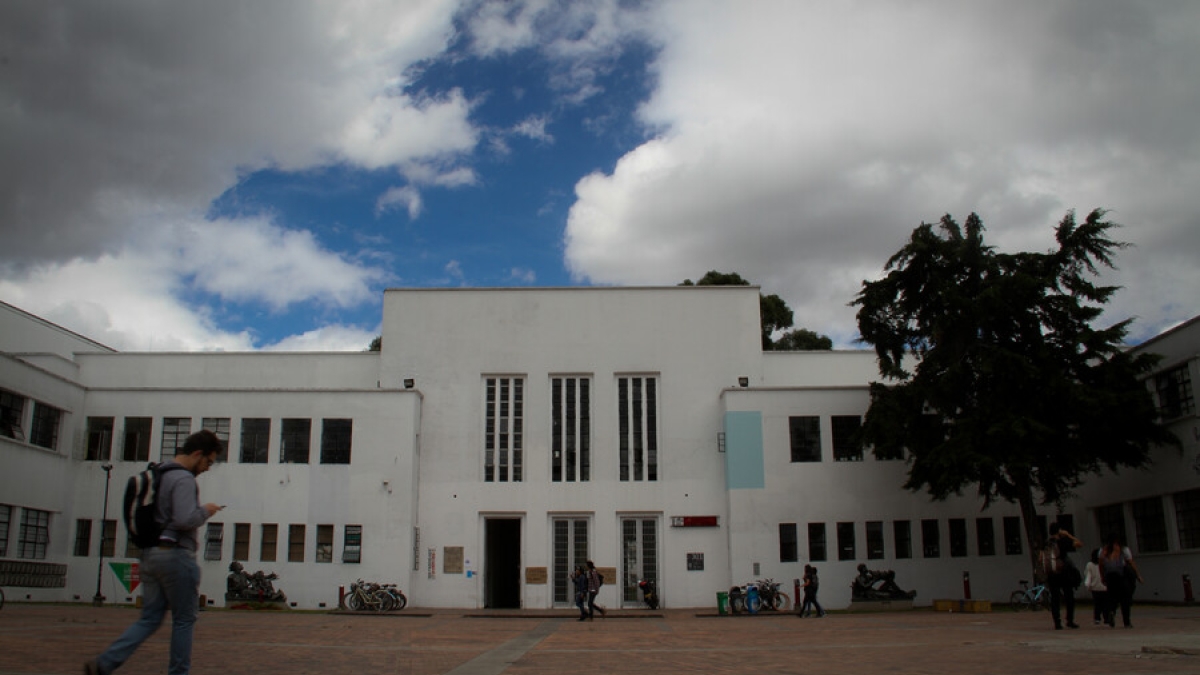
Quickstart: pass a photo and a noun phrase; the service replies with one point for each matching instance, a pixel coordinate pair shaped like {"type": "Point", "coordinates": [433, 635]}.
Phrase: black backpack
{"type": "Point", "coordinates": [141, 505]}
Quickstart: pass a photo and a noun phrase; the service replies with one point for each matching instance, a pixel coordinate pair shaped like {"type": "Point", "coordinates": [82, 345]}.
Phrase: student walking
{"type": "Point", "coordinates": [1093, 578]}
{"type": "Point", "coordinates": [580, 579]}
{"type": "Point", "coordinates": [595, 581]}
{"type": "Point", "coordinates": [811, 585]}
{"type": "Point", "coordinates": [1120, 575]}
{"type": "Point", "coordinates": [1062, 584]}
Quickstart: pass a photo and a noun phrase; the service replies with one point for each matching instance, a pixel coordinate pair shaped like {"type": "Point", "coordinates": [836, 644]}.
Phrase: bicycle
{"type": "Point", "coordinates": [375, 597]}
{"type": "Point", "coordinates": [772, 598]}
{"type": "Point", "coordinates": [1034, 598]}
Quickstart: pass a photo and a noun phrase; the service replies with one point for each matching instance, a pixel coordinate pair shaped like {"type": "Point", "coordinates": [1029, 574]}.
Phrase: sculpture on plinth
{"type": "Point", "coordinates": [257, 587]}
{"type": "Point", "coordinates": [877, 585]}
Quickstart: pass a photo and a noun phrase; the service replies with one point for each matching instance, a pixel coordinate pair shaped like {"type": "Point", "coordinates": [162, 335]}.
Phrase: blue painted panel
{"type": "Point", "coordinates": [744, 451]}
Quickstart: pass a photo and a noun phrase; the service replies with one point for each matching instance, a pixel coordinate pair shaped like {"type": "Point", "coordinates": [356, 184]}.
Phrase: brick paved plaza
{"type": "Point", "coordinates": [53, 640]}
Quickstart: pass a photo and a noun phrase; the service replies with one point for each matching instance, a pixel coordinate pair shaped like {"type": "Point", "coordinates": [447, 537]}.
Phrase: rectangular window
{"type": "Point", "coordinates": [504, 417]}
{"type": "Point", "coordinates": [294, 440]}
{"type": "Point", "coordinates": [136, 445]}
{"type": "Point", "coordinates": [108, 538]}
{"type": "Point", "coordinates": [352, 544]}
{"type": "Point", "coordinates": [5, 520]}
{"type": "Point", "coordinates": [931, 536]}
{"type": "Point", "coordinates": [241, 541]}
{"type": "Point", "coordinates": [1150, 523]}
{"type": "Point", "coordinates": [83, 537]}
{"type": "Point", "coordinates": [295, 543]}
{"type": "Point", "coordinates": [12, 415]}
{"type": "Point", "coordinates": [570, 551]}
{"type": "Point", "coordinates": [99, 439]}
{"type": "Point", "coordinates": [268, 547]}
{"type": "Point", "coordinates": [1174, 393]}
{"type": "Point", "coordinates": [324, 543]}
{"type": "Point", "coordinates": [213, 539]}
{"type": "Point", "coordinates": [845, 534]}
{"type": "Point", "coordinates": [1013, 536]}
{"type": "Point", "coordinates": [847, 446]}
{"type": "Point", "coordinates": [256, 439]}
{"type": "Point", "coordinates": [1110, 521]}
{"type": "Point", "coordinates": [637, 426]}
{"type": "Point", "coordinates": [1187, 518]}
{"type": "Point", "coordinates": [788, 545]}
{"type": "Point", "coordinates": [874, 539]}
{"type": "Point", "coordinates": [35, 534]}
{"type": "Point", "coordinates": [45, 426]}
{"type": "Point", "coordinates": [806, 438]}
{"type": "Point", "coordinates": [219, 426]}
{"type": "Point", "coordinates": [336, 438]}
{"type": "Point", "coordinates": [570, 429]}
{"type": "Point", "coordinates": [958, 537]}
{"type": "Point", "coordinates": [816, 542]}
{"type": "Point", "coordinates": [902, 531]}
{"type": "Point", "coordinates": [175, 432]}
{"type": "Point", "coordinates": [985, 537]}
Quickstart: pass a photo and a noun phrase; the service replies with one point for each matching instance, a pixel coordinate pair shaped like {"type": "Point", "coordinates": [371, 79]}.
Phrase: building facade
{"type": "Point", "coordinates": [500, 436]}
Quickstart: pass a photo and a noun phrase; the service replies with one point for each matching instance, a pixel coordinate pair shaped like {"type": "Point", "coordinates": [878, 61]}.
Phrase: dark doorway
{"type": "Point", "coordinates": [502, 583]}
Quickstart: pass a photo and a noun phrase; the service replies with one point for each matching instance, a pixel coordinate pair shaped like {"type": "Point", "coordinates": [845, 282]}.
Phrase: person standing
{"type": "Point", "coordinates": [169, 574]}
{"type": "Point", "coordinates": [580, 579]}
{"type": "Point", "coordinates": [1063, 583]}
{"type": "Point", "coordinates": [1093, 578]}
{"type": "Point", "coordinates": [811, 585]}
{"type": "Point", "coordinates": [1120, 572]}
{"type": "Point", "coordinates": [595, 581]}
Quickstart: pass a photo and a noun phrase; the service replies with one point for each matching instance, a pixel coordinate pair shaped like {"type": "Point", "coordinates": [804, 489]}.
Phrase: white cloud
{"type": "Point", "coordinates": [523, 275]}
{"type": "Point", "coordinates": [405, 196]}
{"type": "Point", "coordinates": [331, 338]}
{"type": "Point", "coordinates": [534, 127]}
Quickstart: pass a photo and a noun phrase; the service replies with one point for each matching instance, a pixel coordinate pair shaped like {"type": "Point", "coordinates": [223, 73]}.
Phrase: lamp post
{"type": "Point", "coordinates": [98, 600]}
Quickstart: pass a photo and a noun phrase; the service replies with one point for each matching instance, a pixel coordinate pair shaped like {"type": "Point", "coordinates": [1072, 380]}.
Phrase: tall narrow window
{"type": "Point", "coordinates": [108, 538]}
{"type": "Point", "coordinates": [816, 542]}
{"type": "Point", "coordinates": [847, 447]}
{"type": "Point", "coordinates": [324, 551]}
{"type": "Point", "coordinates": [213, 539]}
{"type": "Point", "coordinates": [175, 431]}
{"type": "Point", "coordinates": [5, 520]}
{"type": "Point", "coordinates": [337, 436]}
{"type": "Point", "coordinates": [268, 547]}
{"type": "Point", "coordinates": [504, 414]}
{"type": "Point", "coordinates": [99, 439]}
{"type": "Point", "coordinates": [1150, 523]}
{"type": "Point", "coordinates": [637, 427]}
{"type": "Point", "coordinates": [845, 534]}
{"type": "Point", "coordinates": [1174, 390]}
{"type": "Point", "coordinates": [83, 537]}
{"type": "Point", "coordinates": [45, 425]}
{"type": "Point", "coordinates": [902, 533]}
{"type": "Point", "coordinates": [874, 539]}
{"type": "Point", "coordinates": [12, 415]}
{"type": "Point", "coordinates": [241, 541]}
{"type": "Point", "coordinates": [136, 444]}
{"type": "Point", "coordinates": [1110, 521]}
{"type": "Point", "coordinates": [570, 420]}
{"type": "Point", "coordinates": [256, 439]}
{"type": "Point", "coordinates": [805, 433]}
{"type": "Point", "coordinates": [958, 537]}
{"type": "Point", "coordinates": [295, 543]}
{"type": "Point", "coordinates": [931, 538]}
{"type": "Point", "coordinates": [219, 426]}
{"type": "Point", "coordinates": [294, 441]}
{"type": "Point", "coordinates": [352, 544]}
{"type": "Point", "coordinates": [788, 550]}
{"type": "Point", "coordinates": [35, 534]}
{"type": "Point", "coordinates": [1013, 536]}
{"type": "Point", "coordinates": [570, 551]}
{"type": "Point", "coordinates": [1187, 518]}
{"type": "Point", "coordinates": [985, 536]}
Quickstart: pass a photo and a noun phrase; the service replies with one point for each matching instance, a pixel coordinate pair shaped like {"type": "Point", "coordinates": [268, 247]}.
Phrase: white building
{"type": "Point", "coordinates": [501, 435]}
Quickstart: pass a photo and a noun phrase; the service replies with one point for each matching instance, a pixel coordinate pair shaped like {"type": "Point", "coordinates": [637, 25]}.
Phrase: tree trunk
{"type": "Point", "coordinates": [1034, 537]}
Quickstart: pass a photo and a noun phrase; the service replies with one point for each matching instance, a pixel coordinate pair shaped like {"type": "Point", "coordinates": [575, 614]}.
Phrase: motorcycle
{"type": "Point", "coordinates": [649, 595]}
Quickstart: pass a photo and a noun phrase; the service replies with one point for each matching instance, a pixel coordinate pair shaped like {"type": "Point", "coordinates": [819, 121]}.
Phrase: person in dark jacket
{"type": "Point", "coordinates": [580, 579]}
{"type": "Point", "coordinates": [811, 585]}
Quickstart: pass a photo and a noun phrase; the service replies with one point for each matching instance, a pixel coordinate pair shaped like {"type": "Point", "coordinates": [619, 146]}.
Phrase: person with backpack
{"type": "Point", "coordinates": [1121, 576]}
{"type": "Point", "coordinates": [1062, 577]}
{"type": "Point", "coordinates": [595, 581]}
{"type": "Point", "coordinates": [170, 576]}
{"type": "Point", "coordinates": [580, 580]}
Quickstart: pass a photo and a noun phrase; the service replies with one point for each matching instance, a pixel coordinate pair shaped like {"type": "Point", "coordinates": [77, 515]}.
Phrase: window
{"type": "Point", "coordinates": [504, 416]}
{"type": "Point", "coordinates": [219, 426]}
{"type": "Point", "coordinates": [570, 420]}
{"type": "Point", "coordinates": [985, 537]}
{"type": "Point", "coordinates": [889, 453]}
{"type": "Point", "coordinates": [1012, 535]}
{"type": "Point", "coordinates": [845, 535]}
{"type": "Point", "coordinates": [213, 539]}
{"type": "Point", "coordinates": [256, 437]}
{"type": "Point", "coordinates": [846, 444]}
{"type": "Point", "coordinates": [788, 549]}
{"type": "Point", "coordinates": [570, 550]}
{"type": "Point", "coordinates": [295, 543]}
{"type": "Point", "coordinates": [83, 537]}
{"type": "Point", "coordinates": [45, 425]}
{"type": "Point", "coordinates": [806, 438]}
{"type": "Point", "coordinates": [294, 440]}
{"type": "Point", "coordinates": [35, 534]}
{"type": "Point", "coordinates": [5, 519]}
{"type": "Point", "coordinates": [136, 447]}
{"type": "Point", "coordinates": [931, 539]}
{"type": "Point", "coordinates": [816, 541]}
{"type": "Point", "coordinates": [1187, 518]}
{"type": "Point", "coordinates": [12, 415]}
{"type": "Point", "coordinates": [352, 544]}
{"type": "Point", "coordinates": [175, 432]}
{"type": "Point", "coordinates": [270, 538]}
{"type": "Point", "coordinates": [99, 439]}
{"type": "Point", "coordinates": [1110, 521]}
{"type": "Point", "coordinates": [637, 421]}
{"type": "Point", "coordinates": [241, 541]}
{"type": "Point", "coordinates": [958, 537]}
{"type": "Point", "coordinates": [336, 435]}
{"type": "Point", "coordinates": [108, 538]}
{"type": "Point", "coordinates": [1174, 390]}
{"type": "Point", "coordinates": [902, 532]}
{"type": "Point", "coordinates": [324, 543]}
{"type": "Point", "coordinates": [874, 539]}
{"type": "Point", "coordinates": [1150, 523]}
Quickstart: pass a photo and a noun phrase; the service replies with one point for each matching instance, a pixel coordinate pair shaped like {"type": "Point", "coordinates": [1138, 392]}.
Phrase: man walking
{"type": "Point", "coordinates": [169, 573]}
{"type": "Point", "coordinates": [595, 581]}
{"type": "Point", "coordinates": [1062, 584]}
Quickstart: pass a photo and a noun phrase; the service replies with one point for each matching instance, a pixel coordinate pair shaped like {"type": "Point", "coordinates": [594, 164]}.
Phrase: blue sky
{"type": "Point", "coordinates": [235, 176]}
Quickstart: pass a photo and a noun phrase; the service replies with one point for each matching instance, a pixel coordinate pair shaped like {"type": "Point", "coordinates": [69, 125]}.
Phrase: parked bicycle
{"type": "Point", "coordinates": [1037, 597]}
{"type": "Point", "coordinates": [771, 597]}
{"type": "Point", "coordinates": [369, 596]}
{"type": "Point", "coordinates": [765, 596]}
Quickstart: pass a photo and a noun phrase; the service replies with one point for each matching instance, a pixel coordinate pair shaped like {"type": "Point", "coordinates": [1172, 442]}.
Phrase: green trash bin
{"type": "Point", "coordinates": [722, 602]}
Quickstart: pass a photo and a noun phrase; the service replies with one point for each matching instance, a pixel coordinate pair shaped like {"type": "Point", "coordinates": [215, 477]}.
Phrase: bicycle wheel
{"type": "Point", "coordinates": [782, 601]}
{"type": "Point", "coordinates": [1040, 599]}
{"type": "Point", "coordinates": [1017, 601]}
{"type": "Point", "coordinates": [401, 601]}
{"type": "Point", "coordinates": [355, 602]}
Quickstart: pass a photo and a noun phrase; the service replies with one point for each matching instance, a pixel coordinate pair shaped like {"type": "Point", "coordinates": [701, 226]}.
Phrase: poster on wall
{"type": "Point", "coordinates": [695, 562]}
{"type": "Point", "coordinates": [452, 560]}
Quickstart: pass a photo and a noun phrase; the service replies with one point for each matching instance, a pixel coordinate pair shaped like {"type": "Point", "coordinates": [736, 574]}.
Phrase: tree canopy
{"type": "Point", "coordinates": [1013, 390]}
{"type": "Point", "coordinates": [774, 314]}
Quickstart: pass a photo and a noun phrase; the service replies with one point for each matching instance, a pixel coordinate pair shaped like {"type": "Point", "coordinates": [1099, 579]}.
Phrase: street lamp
{"type": "Point", "coordinates": [98, 600]}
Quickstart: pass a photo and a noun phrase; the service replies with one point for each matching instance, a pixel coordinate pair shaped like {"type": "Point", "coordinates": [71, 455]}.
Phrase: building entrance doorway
{"type": "Point", "coordinates": [502, 563]}
{"type": "Point", "coordinates": [639, 553]}
{"type": "Point", "coordinates": [570, 551]}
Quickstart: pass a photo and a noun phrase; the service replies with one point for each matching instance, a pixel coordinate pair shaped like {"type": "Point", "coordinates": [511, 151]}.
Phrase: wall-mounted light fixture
{"type": "Point", "coordinates": [743, 382]}
{"type": "Point", "coordinates": [409, 383]}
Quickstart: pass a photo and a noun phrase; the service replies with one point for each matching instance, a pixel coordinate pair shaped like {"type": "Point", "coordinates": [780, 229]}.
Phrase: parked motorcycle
{"type": "Point", "coordinates": [649, 595]}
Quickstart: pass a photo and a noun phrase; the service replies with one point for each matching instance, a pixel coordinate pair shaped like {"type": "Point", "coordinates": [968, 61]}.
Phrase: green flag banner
{"type": "Point", "coordinates": [127, 573]}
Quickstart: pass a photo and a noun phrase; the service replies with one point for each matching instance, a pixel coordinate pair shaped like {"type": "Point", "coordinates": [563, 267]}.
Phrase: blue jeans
{"type": "Point", "coordinates": [170, 580]}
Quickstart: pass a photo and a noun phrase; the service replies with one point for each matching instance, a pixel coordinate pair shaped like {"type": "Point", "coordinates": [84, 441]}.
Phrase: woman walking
{"type": "Point", "coordinates": [1120, 573]}
{"type": "Point", "coordinates": [811, 584]}
{"type": "Point", "coordinates": [580, 579]}
{"type": "Point", "coordinates": [1093, 579]}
